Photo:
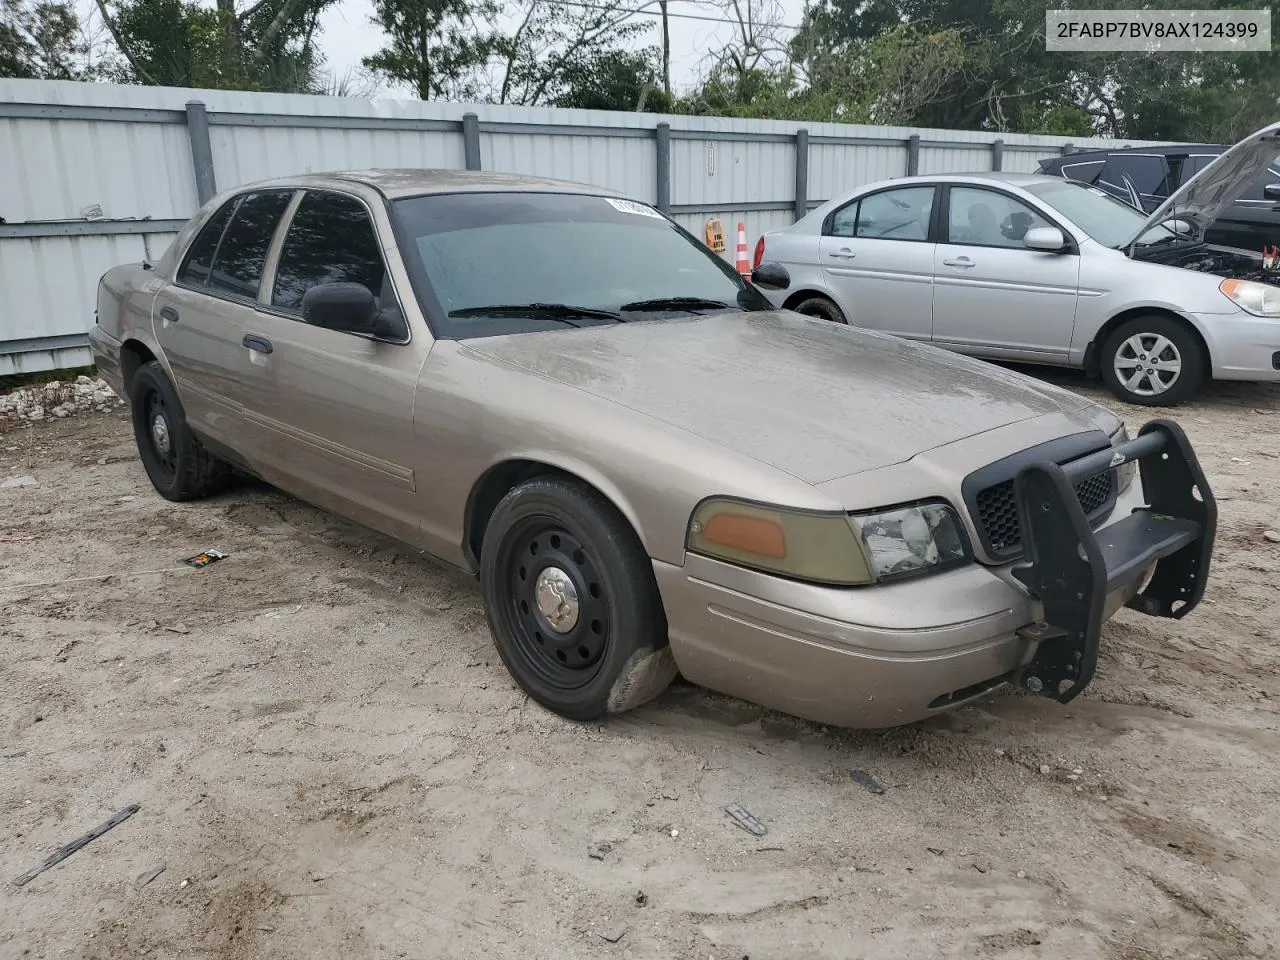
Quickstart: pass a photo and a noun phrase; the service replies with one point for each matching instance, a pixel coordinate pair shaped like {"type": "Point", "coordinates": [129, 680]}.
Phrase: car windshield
{"type": "Point", "coordinates": [1106, 219]}
{"type": "Point", "coordinates": [486, 264]}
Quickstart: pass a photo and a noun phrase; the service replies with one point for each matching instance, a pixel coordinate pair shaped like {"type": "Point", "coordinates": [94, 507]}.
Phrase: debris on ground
{"type": "Point", "coordinates": [641, 898]}
{"type": "Point", "coordinates": [178, 628]}
{"type": "Point", "coordinates": [62, 853]}
{"type": "Point", "coordinates": [613, 934]}
{"type": "Point", "coordinates": [58, 399]}
{"type": "Point", "coordinates": [1272, 535]}
{"type": "Point", "coordinates": [148, 875]}
{"type": "Point", "coordinates": [11, 483]}
{"type": "Point", "coordinates": [743, 818]}
{"type": "Point", "coordinates": [866, 781]}
{"type": "Point", "coordinates": [598, 851]}
{"type": "Point", "coordinates": [6, 538]}
{"type": "Point", "coordinates": [1046, 769]}
{"type": "Point", "coordinates": [936, 851]}
{"type": "Point", "coordinates": [203, 559]}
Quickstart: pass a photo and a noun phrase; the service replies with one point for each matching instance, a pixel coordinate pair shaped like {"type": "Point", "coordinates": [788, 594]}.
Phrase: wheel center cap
{"type": "Point", "coordinates": [160, 433]}
{"type": "Point", "coordinates": [557, 599]}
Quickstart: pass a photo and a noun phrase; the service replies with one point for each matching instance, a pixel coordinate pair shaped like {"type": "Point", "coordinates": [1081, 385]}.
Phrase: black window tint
{"type": "Point", "coordinates": [1137, 178]}
{"type": "Point", "coordinates": [330, 240]}
{"type": "Point", "coordinates": [243, 251]}
{"type": "Point", "coordinates": [200, 255]}
{"type": "Point", "coordinates": [1084, 171]}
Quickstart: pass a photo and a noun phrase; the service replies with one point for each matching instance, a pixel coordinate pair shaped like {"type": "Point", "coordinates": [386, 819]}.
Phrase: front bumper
{"type": "Point", "coordinates": [1241, 346]}
{"type": "Point", "coordinates": [899, 652]}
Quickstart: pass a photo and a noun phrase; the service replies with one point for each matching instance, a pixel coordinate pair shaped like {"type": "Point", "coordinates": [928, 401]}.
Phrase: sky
{"type": "Point", "coordinates": [348, 35]}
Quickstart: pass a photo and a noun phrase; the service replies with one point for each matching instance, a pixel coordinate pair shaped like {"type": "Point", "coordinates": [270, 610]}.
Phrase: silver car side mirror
{"type": "Point", "coordinates": [1047, 239]}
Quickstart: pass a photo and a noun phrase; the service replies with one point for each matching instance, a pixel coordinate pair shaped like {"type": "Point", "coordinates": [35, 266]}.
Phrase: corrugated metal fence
{"type": "Point", "coordinates": [92, 175]}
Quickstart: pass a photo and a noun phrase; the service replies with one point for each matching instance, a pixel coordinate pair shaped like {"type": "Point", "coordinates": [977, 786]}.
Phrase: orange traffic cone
{"type": "Point", "coordinates": [743, 260]}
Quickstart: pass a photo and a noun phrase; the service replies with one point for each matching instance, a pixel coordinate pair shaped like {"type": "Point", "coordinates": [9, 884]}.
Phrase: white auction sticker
{"type": "Point", "coordinates": [630, 206]}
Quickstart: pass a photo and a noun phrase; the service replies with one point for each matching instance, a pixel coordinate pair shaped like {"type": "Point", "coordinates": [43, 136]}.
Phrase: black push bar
{"type": "Point", "coordinates": [1075, 571]}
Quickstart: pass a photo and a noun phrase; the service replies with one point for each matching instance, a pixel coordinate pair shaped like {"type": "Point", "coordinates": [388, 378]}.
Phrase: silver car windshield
{"type": "Point", "coordinates": [493, 263]}
{"type": "Point", "coordinates": [1104, 218]}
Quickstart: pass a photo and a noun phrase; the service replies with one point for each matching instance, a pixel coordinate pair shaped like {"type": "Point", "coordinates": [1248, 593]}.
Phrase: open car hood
{"type": "Point", "coordinates": [1201, 200]}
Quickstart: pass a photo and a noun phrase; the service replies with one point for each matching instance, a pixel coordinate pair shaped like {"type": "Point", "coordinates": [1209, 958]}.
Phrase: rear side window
{"type": "Point", "coordinates": [1140, 179]}
{"type": "Point", "coordinates": [237, 267]}
{"type": "Point", "coordinates": [199, 260]}
{"type": "Point", "coordinates": [331, 240]}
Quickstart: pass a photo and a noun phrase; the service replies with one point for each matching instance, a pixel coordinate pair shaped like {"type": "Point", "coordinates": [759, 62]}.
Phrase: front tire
{"type": "Point", "coordinates": [572, 602]}
{"type": "Point", "coordinates": [1153, 361]}
{"type": "Point", "coordinates": [179, 467]}
{"type": "Point", "coordinates": [822, 308]}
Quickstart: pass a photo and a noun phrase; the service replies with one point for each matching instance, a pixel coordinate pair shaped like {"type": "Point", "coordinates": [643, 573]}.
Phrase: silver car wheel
{"type": "Point", "coordinates": [1148, 364]}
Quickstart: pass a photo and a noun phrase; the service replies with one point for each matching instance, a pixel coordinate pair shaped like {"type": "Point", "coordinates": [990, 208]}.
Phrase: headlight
{"type": "Point", "coordinates": [909, 540]}
{"type": "Point", "coordinates": [819, 547]}
{"type": "Point", "coordinates": [1260, 299]}
{"type": "Point", "coordinates": [1127, 470]}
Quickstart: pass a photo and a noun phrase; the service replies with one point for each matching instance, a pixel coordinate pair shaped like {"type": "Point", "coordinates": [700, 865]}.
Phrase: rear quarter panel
{"type": "Point", "coordinates": [798, 252]}
{"type": "Point", "coordinates": [125, 298]}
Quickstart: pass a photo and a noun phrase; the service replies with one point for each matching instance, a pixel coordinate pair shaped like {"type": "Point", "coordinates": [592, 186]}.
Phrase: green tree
{"type": "Point", "coordinates": [615, 80]}
{"type": "Point", "coordinates": [41, 41]}
{"type": "Point", "coordinates": [266, 45]}
{"type": "Point", "coordinates": [435, 47]}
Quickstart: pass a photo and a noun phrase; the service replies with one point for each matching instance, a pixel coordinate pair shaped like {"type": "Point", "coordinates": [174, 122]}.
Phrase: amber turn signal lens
{"type": "Point", "coordinates": [755, 535]}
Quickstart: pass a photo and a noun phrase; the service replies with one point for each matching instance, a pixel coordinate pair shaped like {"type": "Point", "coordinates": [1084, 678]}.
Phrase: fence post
{"type": "Point", "coordinates": [913, 155]}
{"type": "Point", "coordinates": [1068, 148]}
{"type": "Point", "coordinates": [663, 140]}
{"type": "Point", "coordinates": [471, 141]}
{"type": "Point", "coordinates": [997, 154]}
{"type": "Point", "coordinates": [201, 151]}
{"type": "Point", "coordinates": [802, 173]}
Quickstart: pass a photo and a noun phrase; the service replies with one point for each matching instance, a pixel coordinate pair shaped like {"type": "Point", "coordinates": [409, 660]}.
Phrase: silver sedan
{"type": "Point", "coordinates": [1043, 270]}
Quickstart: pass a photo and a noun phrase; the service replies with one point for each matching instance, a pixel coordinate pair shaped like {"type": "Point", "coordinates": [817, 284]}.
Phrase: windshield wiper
{"type": "Point", "coordinates": [675, 303]}
{"type": "Point", "coordinates": [564, 312]}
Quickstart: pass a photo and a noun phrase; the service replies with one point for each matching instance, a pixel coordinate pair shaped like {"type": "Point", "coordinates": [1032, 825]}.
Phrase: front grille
{"type": "Point", "coordinates": [997, 514]}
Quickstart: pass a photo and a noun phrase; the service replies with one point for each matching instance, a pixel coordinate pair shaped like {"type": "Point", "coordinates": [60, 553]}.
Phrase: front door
{"type": "Point", "coordinates": [877, 255]}
{"type": "Point", "coordinates": [331, 413]}
{"type": "Point", "coordinates": [991, 295]}
{"type": "Point", "coordinates": [200, 319]}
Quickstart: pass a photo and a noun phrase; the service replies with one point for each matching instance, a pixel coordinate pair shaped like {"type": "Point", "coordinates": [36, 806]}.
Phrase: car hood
{"type": "Point", "coordinates": [1203, 198]}
{"type": "Point", "coordinates": [815, 399]}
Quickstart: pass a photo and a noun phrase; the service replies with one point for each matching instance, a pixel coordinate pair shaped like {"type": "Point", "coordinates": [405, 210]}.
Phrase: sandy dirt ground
{"type": "Point", "coordinates": [331, 761]}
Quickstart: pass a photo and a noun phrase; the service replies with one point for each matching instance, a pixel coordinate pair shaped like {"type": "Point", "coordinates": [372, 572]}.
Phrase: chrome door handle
{"type": "Point", "coordinates": [844, 254]}
{"type": "Point", "coordinates": [959, 262]}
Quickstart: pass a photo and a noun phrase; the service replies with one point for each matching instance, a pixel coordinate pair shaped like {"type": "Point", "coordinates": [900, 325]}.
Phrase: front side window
{"type": "Point", "coordinates": [895, 214]}
{"type": "Point", "coordinates": [985, 218]}
{"type": "Point", "coordinates": [237, 266]}
{"type": "Point", "coordinates": [330, 240]}
{"type": "Point", "coordinates": [498, 263]}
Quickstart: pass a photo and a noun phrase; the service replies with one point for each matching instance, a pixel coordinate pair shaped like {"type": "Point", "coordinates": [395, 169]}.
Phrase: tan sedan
{"type": "Point", "coordinates": [649, 468]}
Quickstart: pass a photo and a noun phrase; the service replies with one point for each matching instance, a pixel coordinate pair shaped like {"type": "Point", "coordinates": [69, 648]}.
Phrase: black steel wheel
{"type": "Point", "coordinates": [560, 612]}
{"type": "Point", "coordinates": [179, 467]}
{"type": "Point", "coordinates": [572, 602]}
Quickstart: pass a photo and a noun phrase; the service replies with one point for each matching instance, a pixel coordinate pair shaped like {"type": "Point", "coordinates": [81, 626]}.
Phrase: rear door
{"type": "Point", "coordinates": [200, 318]}
{"type": "Point", "coordinates": [991, 295]}
{"type": "Point", "coordinates": [877, 255]}
{"type": "Point", "coordinates": [331, 413]}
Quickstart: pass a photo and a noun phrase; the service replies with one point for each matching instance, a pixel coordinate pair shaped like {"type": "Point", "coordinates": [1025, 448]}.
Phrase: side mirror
{"type": "Point", "coordinates": [1271, 191]}
{"type": "Point", "coordinates": [349, 307]}
{"type": "Point", "coordinates": [771, 276]}
{"type": "Point", "coordinates": [1046, 239]}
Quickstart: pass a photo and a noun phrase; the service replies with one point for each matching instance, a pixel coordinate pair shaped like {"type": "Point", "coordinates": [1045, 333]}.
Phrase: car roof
{"type": "Point", "coordinates": [1171, 150]}
{"type": "Point", "coordinates": [395, 183]}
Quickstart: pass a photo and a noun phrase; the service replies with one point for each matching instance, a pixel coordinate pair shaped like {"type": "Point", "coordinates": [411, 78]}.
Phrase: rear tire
{"type": "Point", "coordinates": [179, 467]}
{"type": "Point", "coordinates": [1153, 361]}
{"type": "Point", "coordinates": [821, 307]}
{"type": "Point", "coordinates": [572, 602]}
